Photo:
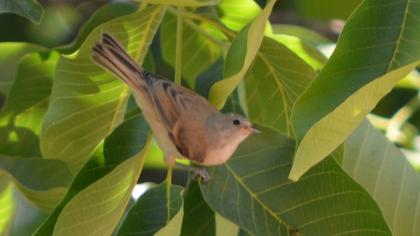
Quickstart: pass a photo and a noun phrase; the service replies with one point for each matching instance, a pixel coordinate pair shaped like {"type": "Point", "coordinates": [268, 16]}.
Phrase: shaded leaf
{"type": "Point", "coordinates": [27, 217]}
{"type": "Point", "coordinates": [10, 56]}
{"type": "Point", "coordinates": [42, 181]}
{"type": "Point", "coordinates": [29, 9]}
{"type": "Point", "coordinates": [27, 104]}
{"type": "Point", "coordinates": [99, 193]}
{"type": "Point", "coordinates": [240, 57]}
{"type": "Point", "coordinates": [198, 52]}
{"type": "Point", "coordinates": [272, 84]}
{"type": "Point", "coordinates": [326, 9]}
{"type": "Point", "coordinates": [185, 3]}
{"type": "Point", "coordinates": [106, 13]}
{"type": "Point", "coordinates": [324, 202]}
{"type": "Point", "coordinates": [174, 226]}
{"type": "Point", "coordinates": [387, 175]}
{"type": "Point", "coordinates": [87, 102]}
{"type": "Point", "coordinates": [154, 210]}
{"type": "Point", "coordinates": [199, 219]}
{"type": "Point", "coordinates": [378, 46]}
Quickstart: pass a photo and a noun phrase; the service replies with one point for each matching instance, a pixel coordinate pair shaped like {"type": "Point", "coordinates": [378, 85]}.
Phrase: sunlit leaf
{"type": "Point", "coordinates": [7, 209]}
{"type": "Point", "coordinates": [272, 84]}
{"type": "Point", "coordinates": [378, 46]}
{"type": "Point", "coordinates": [235, 14]}
{"type": "Point", "coordinates": [300, 32]}
{"type": "Point", "coordinates": [225, 227]}
{"type": "Point", "coordinates": [240, 56]}
{"type": "Point", "coordinates": [87, 102]}
{"type": "Point", "coordinates": [153, 211]}
{"type": "Point", "coordinates": [29, 9]}
{"type": "Point", "coordinates": [263, 201]}
{"type": "Point", "coordinates": [96, 199]}
{"type": "Point", "coordinates": [307, 52]}
{"type": "Point", "coordinates": [387, 175]}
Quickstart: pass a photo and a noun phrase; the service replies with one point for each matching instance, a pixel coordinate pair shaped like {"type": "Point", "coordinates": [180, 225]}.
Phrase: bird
{"type": "Point", "coordinates": [185, 124]}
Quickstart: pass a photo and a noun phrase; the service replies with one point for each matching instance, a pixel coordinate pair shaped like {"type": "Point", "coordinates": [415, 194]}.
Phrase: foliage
{"type": "Point", "coordinates": [73, 143]}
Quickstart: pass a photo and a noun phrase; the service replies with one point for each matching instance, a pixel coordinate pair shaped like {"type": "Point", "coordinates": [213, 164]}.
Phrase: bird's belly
{"type": "Point", "coordinates": [159, 130]}
{"type": "Point", "coordinates": [218, 156]}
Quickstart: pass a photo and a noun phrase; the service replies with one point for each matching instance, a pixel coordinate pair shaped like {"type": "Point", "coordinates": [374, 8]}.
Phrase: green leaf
{"type": "Point", "coordinates": [240, 56]}
{"type": "Point", "coordinates": [302, 33]}
{"type": "Point", "coordinates": [225, 227]}
{"type": "Point", "coordinates": [307, 52]}
{"type": "Point", "coordinates": [199, 219]}
{"type": "Point", "coordinates": [326, 9]}
{"type": "Point", "coordinates": [96, 199]}
{"type": "Point", "coordinates": [326, 201]}
{"type": "Point", "coordinates": [153, 211]}
{"type": "Point", "coordinates": [7, 210]}
{"type": "Point", "coordinates": [27, 217]}
{"type": "Point", "coordinates": [198, 52]}
{"type": "Point", "coordinates": [10, 56]}
{"type": "Point", "coordinates": [29, 9]}
{"type": "Point", "coordinates": [102, 15]}
{"type": "Point", "coordinates": [381, 168]}
{"type": "Point", "coordinates": [27, 104]}
{"type": "Point", "coordinates": [185, 3]}
{"type": "Point", "coordinates": [235, 14]}
{"type": "Point", "coordinates": [42, 181]}
{"type": "Point", "coordinates": [378, 46]}
{"type": "Point", "coordinates": [87, 102]}
{"type": "Point", "coordinates": [273, 82]}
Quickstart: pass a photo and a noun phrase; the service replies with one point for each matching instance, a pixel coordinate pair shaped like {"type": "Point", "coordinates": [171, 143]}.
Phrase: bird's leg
{"type": "Point", "coordinates": [198, 172]}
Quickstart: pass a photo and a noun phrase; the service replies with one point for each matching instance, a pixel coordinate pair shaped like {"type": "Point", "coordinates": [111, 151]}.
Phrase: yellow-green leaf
{"type": "Point", "coordinates": [87, 102]}
{"type": "Point", "coordinates": [381, 168]}
{"type": "Point", "coordinates": [378, 46]}
{"type": "Point", "coordinates": [253, 190]}
{"type": "Point", "coordinates": [7, 208]}
{"type": "Point", "coordinates": [240, 56]}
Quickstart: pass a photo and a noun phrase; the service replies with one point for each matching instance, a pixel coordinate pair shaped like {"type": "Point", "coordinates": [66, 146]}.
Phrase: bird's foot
{"type": "Point", "coordinates": [201, 173]}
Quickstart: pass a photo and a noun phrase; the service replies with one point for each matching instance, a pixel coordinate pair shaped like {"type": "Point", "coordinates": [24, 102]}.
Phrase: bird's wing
{"type": "Point", "coordinates": [190, 140]}
{"type": "Point", "coordinates": [173, 101]}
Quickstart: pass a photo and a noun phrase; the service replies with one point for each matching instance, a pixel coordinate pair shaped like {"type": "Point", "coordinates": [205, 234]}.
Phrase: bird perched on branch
{"type": "Point", "coordinates": [183, 122]}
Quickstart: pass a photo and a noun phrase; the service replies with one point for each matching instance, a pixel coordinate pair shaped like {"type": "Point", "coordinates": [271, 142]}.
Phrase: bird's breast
{"type": "Point", "coordinates": [219, 155]}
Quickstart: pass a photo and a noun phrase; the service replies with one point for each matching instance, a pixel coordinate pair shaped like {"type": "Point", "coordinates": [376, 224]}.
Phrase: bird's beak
{"type": "Point", "coordinates": [252, 130]}
{"type": "Point", "coordinates": [255, 131]}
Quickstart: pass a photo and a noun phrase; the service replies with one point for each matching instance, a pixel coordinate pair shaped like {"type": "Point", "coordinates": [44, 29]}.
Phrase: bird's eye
{"type": "Point", "coordinates": [236, 122]}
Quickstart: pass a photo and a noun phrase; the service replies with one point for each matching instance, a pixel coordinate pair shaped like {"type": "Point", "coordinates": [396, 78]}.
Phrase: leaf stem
{"type": "Point", "coordinates": [168, 192]}
{"type": "Point", "coordinates": [178, 49]}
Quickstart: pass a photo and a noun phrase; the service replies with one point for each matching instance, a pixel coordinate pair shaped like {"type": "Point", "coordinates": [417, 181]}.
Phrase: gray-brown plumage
{"type": "Point", "coordinates": [184, 123]}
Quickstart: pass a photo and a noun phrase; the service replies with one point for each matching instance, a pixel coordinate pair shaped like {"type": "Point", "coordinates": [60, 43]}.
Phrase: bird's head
{"type": "Point", "coordinates": [232, 128]}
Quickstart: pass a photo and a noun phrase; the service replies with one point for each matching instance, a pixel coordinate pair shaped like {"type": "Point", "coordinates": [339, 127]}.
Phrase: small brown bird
{"type": "Point", "coordinates": [183, 122]}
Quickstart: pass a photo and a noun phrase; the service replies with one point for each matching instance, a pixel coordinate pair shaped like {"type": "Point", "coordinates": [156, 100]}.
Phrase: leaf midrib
{"type": "Point", "coordinates": [254, 196]}
{"type": "Point", "coordinates": [397, 45]}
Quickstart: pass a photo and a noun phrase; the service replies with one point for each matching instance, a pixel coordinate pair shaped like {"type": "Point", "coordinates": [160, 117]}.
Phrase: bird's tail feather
{"type": "Point", "coordinates": [111, 55]}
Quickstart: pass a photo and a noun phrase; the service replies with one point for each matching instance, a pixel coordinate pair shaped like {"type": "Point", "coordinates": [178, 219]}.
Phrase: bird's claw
{"type": "Point", "coordinates": [201, 173]}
